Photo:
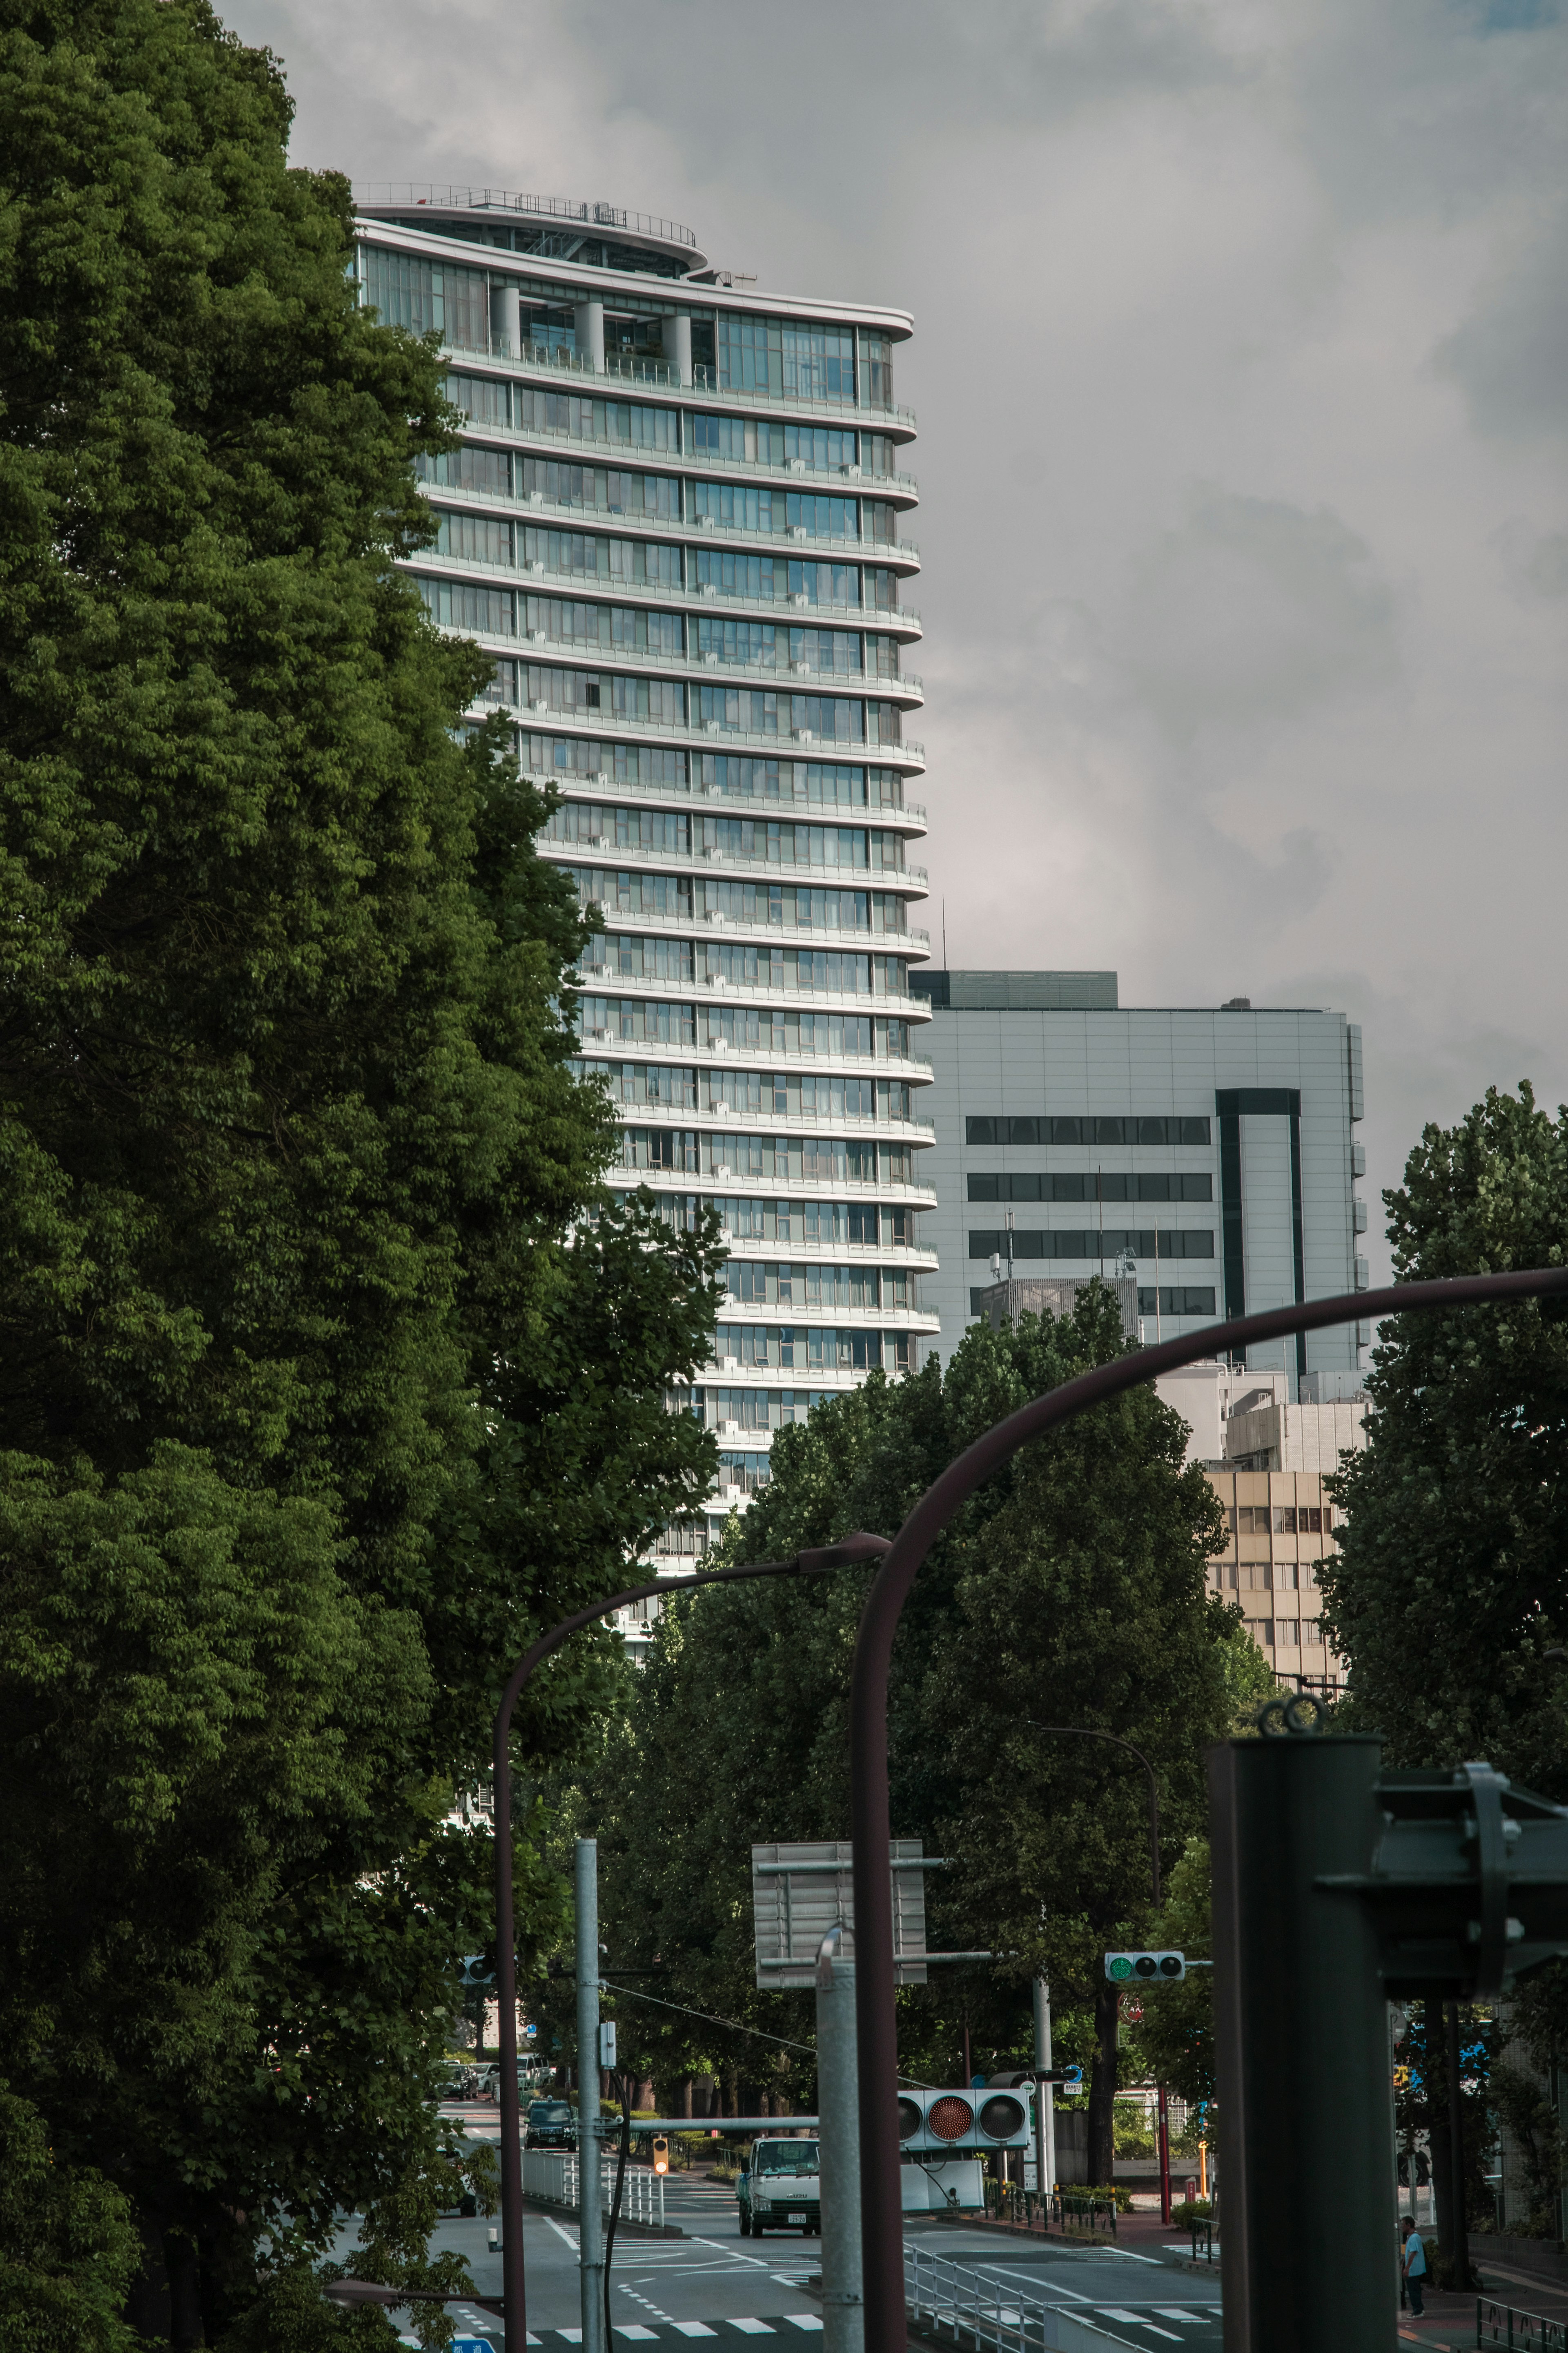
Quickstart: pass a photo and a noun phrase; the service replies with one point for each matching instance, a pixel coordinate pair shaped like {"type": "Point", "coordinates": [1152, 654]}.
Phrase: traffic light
{"type": "Point", "coordinates": [476, 1970]}
{"type": "Point", "coordinates": [660, 2154]}
{"type": "Point", "coordinates": [988, 2118]}
{"type": "Point", "coordinates": [1142, 1968]}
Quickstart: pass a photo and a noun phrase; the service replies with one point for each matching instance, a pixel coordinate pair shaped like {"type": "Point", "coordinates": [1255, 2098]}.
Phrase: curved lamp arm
{"type": "Point", "coordinates": [881, 2214]}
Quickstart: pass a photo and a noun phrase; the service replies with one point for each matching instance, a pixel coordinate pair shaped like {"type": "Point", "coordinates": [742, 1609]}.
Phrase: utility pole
{"type": "Point", "coordinates": [590, 2197]}
{"type": "Point", "coordinates": [839, 2151]}
{"type": "Point", "coordinates": [1045, 2094]}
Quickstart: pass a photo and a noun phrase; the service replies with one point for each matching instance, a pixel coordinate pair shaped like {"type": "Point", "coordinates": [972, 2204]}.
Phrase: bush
{"type": "Point", "coordinates": [1191, 2210]}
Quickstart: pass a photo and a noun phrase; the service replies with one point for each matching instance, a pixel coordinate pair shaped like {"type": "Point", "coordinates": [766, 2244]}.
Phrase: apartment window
{"type": "Point", "coordinates": [822, 516]}
{"type": "Point", "coordinates": [474, 538]}
{"type": "Point", "coordinates": [470, 467]}
{"type": "Point", "coordinates": [459, 605]}
{"type": "Point", "coordinates": [825, 583]}
{"type": "Point", "coordinates": [1262, 1630]}
{"type": "Point", "coordinates": [837, 650]}
{"type": "Point", "coordinates": [738, 641]}
{"type": "Point", "coordinates": [1137, 1129]}
{"type": "Point", "coordinates": [1176, 1299]}
{"type": "Point", "coordinates": [487, 400]}
{"type": "Point", "coordinates": [589, 554]}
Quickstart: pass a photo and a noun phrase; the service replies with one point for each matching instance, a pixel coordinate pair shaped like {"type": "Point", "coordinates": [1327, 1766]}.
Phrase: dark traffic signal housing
{"type": "Point", "coordinates": [1145, 1968]}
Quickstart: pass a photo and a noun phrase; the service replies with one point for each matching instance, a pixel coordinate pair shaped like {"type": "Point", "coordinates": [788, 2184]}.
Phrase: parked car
{"type": "Point", "coordinates": [551, 2124]}
{"type": "Point", "coordinates": [781, 2188]}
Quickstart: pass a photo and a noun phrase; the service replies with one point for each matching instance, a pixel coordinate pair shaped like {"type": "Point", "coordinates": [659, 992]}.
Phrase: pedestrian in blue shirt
{"type": "Point", "coordinates": [1414, 2266]}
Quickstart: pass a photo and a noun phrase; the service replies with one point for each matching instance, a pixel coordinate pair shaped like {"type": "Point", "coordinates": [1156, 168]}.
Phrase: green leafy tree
{"type": "Point", "coordinates": [1070, 1589]}
{"type": "Point", "coordinates": [328, 1371]}
{"type": "Point", "coordinates": [69, 2246]}
{"type": "Point", "coordinates": [1451, 1576]}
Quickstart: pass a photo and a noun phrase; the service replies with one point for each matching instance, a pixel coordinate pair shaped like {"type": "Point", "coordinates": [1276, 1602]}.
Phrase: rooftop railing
{"type": "Point", "coordinates": [490, 200]}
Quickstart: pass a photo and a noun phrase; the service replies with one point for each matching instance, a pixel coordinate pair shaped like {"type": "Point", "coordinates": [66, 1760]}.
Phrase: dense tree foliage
{"type": "Point", "coordinates": [326, 1372]}
{"type": "Point", "coordinates": [1070, 1590]}
{"type": "Point", "coordinates": [1451, 1578]}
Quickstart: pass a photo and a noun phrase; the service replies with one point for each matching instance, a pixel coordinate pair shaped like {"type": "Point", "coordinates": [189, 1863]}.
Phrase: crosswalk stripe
{"type": "Point", "coordinates": [803, 2320]}
{"type": "Point", "coordinates": [635, 2329]}
{"type": "Point", "coordinates": [754, 2328]}
{"type": "Point", "coordinates": [694, 2329]}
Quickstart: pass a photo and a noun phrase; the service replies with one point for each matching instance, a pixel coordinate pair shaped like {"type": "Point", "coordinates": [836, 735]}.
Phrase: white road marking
{"type": "Point", "coordinates": [1174, 2311]}
{"type": "Point", "coordinates": [753, 2328]}
{"type": "Point", "coordinates": [570, 2236]}
{"type": "Point", "coordinates": [572, 2335]}
{"type": "Point", "coordinates": [1049, 2288]}
{"type": "Point", "coordinates": [635, 2328]}
{"type": "Point", "coordinates": [803, 2320]}
{"type": "Point", "coordinates": [694, 2329]}
{"type": "Point", "coordinates": [1120, 2312]}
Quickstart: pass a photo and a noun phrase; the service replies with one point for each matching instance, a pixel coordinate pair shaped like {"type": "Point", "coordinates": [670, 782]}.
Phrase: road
{"type": "Point", "coordinates": [713, 2285]}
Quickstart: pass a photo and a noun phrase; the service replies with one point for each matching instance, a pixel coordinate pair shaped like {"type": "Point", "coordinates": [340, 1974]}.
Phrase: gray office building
{"type": "Point", "coordinates": [1207, 1151]}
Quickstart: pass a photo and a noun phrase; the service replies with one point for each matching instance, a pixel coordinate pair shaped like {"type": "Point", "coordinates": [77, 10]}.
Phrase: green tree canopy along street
{"type": "Point", "coordinates": [328, 1374]}
{"type": "Point", "coordinates": [1070, 1590]}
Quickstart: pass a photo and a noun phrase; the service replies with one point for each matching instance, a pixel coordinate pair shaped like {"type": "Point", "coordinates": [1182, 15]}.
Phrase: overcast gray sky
{"type": "Point", "coordinates": [1240, 362]}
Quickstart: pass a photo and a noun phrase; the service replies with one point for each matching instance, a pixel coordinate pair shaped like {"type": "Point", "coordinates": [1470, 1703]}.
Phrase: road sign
{"type": "Point", "coordinates": [1144, 1968]}
{"type": "Point", "coordinates": [471, 2345]}
{"type": "Point", "coordinates": [801, 1891]}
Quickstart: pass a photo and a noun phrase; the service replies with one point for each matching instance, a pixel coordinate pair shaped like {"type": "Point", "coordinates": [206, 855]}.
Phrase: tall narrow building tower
{"type": "Point", "coordinates": [677, 521]}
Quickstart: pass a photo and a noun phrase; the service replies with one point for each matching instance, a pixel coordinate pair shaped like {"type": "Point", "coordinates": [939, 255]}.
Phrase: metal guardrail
{"type": "Point", "coordinates": [960, 2300]}
{"type": "Point", "coordinates": [1208, 2252]}
{"type": "Point", "coordinates": [553, 2177]}
{"type": "Point", "coordinates": [1498, 2325]}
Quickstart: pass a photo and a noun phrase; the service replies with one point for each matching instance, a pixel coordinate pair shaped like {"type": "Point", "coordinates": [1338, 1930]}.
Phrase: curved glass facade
{"type": "Point", "coordinates": [679, 522]}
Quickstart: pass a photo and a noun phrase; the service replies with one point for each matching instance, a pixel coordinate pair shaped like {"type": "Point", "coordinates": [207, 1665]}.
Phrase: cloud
{"type": "Point", "coordinates": [1254, 611]}
{"type": "Point", "coordinates": [1510, 357]}
{"type": "Point", "coordinates": [1243, 518]}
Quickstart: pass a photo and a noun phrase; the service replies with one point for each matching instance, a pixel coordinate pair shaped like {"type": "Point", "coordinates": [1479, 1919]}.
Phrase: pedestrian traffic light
{"type": "Point", "coordinates": [1142, 1969]}
{"type": "Point", "coordinates": [476, 1970]}
{"type": "Point", "coordinates": [660, 2154]}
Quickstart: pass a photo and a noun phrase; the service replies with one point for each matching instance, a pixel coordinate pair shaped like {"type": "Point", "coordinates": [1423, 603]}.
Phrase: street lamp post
{"type": "Point", "coordinates": [851, 1552]}
{"type": "Point", "coordinates": [880, 2204]}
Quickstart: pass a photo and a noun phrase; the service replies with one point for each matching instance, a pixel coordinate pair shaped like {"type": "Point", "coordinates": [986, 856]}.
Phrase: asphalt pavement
{"type": "Point", "coordinates": [711, 2285]}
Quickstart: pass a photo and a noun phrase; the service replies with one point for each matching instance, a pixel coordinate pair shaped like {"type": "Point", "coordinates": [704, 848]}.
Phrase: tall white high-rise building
{"type": "Point", "coordinates": [678, 520]}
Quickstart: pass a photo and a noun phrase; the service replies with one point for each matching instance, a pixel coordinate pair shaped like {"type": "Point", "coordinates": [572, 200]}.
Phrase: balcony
{"type": "Point", "coordinates": [889, 816]}
{"type": "Point", "coordinates": [610, 1045]}
{"type": "Point", "coordinates": [792, 612]}
{"type": "Point", "coordinates": [789, 474]}
{"type": "Point", "coordinates": [535, 359]}
{"type": "Point", "coordinates": [701, 670]}
{"type": "Point", "coordinates": [526, 505]}
{"type": "Point", "coordinates": [697, 736]}
{"type": "Point", "coordinates": [718, 1117]}
{"type": "Point", "coordinates": [720, 863]}
{"type": "Point", "coordinates": [892, 1189]}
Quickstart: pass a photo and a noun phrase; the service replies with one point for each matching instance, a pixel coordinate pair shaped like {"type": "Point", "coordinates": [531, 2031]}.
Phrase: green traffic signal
{"type": "Point", "coordinates": [1120, 1967]}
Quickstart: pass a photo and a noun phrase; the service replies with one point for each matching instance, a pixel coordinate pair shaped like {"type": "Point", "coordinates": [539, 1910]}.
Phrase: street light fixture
{"type": "Point", "coordinates": [880, 2204]}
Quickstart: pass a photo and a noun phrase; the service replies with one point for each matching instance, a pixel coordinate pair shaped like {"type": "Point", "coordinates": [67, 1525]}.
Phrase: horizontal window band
{"type": "Point", "coordinates": [1090, 1242]}
{"type": "Point", "coordinates": [1096, 1187]}
{"type": "Point", "coordinates": [1084, 1128]}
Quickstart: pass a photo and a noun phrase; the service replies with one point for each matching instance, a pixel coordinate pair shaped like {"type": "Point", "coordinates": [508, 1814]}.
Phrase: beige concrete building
{"type": "Point", "coordinates": [1281, 1525]}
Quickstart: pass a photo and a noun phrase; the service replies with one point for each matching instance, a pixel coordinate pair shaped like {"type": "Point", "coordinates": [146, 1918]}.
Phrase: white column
{"type": "Point", "coordinates": [591, 333]}
{"type": "Point", "coordinates": [1045, 2094]}
{"type": "Point", "coordinates": [506, 317]}
{"type": "Point", "coordinates": [838, 2159]}
{"type": "Point", "coordinates": [590, 2195]}
{"type": "Point", "coordinates": [678, 352]}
